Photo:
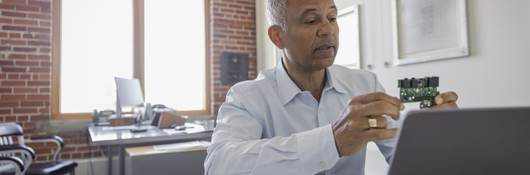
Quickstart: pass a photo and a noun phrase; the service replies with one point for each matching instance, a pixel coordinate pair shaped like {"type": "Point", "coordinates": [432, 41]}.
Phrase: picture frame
{"type": "Point", "coordinates": [429, 30]}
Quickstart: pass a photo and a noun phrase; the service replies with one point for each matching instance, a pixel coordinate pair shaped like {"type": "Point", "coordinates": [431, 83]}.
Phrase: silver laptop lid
{"type": "Point", "coordinates": [466, 141]}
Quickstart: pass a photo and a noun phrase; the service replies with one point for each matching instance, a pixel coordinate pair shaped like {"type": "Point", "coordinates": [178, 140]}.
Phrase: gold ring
{"type": "Point", "coordinates": [372, 123]}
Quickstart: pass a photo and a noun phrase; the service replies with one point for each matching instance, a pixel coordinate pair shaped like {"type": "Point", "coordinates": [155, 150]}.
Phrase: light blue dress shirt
{"type": "Point", "coordinates": [269, 126]}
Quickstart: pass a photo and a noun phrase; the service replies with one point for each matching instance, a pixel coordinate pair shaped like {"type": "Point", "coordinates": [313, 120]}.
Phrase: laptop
{"type": "Point", "coordinates": [465, 141]}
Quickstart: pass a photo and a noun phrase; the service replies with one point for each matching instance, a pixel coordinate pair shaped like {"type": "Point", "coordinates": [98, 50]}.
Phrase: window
{"type": "Point", "coordinates": [164, 44]}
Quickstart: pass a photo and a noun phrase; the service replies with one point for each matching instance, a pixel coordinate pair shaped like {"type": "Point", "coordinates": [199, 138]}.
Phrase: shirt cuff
{"type": "Point", "coordinates": [317, 147]}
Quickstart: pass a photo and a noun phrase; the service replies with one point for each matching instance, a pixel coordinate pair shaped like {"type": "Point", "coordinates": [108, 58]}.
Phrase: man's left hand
{"type": "Point", "coordinates": [446, 100]}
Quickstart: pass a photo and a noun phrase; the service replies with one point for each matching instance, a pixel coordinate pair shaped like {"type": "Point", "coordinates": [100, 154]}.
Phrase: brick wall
{"type": "Point", "coordinates": [25, 59]}
{"type": "Point", "coordinates": [25, 63]}
{"type": "Point", "coordinates": [234, 30]}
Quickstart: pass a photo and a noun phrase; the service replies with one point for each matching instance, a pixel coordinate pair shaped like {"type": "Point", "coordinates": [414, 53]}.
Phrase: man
{"type": "Point", "coordinates": [305, 116]}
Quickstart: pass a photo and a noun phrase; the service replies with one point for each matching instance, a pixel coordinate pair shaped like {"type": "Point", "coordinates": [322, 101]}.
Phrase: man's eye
{"type": "Point", "coordinates": [333, 19]}
{"type": "Point", "coordinates": [309, 22]}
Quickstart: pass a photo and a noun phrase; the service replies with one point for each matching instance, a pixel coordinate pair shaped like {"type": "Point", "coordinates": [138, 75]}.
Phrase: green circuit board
{"type": "Point", "coordinates": [421, 90]}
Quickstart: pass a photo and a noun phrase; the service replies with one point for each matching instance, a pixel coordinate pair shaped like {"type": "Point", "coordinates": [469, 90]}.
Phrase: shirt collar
{"type": "Point", "coordinates": [288, 89]}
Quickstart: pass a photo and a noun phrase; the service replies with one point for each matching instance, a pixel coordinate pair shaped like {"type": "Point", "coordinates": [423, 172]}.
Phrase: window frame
{"type": "Point", "coordinates": [138, 61]}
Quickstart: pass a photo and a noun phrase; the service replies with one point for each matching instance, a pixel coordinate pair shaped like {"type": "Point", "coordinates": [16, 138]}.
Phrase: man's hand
{"type": "Point", "coordinates": [352, 131]}
{"type": "Point", "coordinates": [446, 100]}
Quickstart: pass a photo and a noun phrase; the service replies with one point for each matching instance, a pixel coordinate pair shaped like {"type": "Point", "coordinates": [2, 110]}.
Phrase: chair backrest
{"type": "Point", "coordinates": [10, 129]}
{"type": "Point", "coordinates": [8, 132]}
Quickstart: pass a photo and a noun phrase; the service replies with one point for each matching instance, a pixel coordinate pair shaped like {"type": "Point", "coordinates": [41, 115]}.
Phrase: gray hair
{"type": "Point", "coordinates": [276, 10]}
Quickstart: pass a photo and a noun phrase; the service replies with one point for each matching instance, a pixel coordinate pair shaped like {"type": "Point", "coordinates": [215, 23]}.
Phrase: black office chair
{"type": "Point", "coordinates": [15, 157]}
{"type": "Point", "coordinates": [11, 165]}
{"type": "Point", "coordinates": [17, 153]}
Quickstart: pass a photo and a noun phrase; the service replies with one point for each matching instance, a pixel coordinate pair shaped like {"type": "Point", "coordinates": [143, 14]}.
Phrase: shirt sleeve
{"type": "Point", "coordinates": [237, 146]}
{"type": "Point", "coordinates": [386, 146]}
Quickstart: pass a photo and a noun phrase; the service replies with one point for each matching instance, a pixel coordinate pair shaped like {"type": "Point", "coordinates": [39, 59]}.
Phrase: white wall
{"type": "Point", "coordinates": [496, 73]}
{"type": "Point", "coordinates": [266, 56]}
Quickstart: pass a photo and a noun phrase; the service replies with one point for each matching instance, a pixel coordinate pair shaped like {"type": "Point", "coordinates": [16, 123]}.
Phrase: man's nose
{"type": "Point", "coordinates": [326, 28]}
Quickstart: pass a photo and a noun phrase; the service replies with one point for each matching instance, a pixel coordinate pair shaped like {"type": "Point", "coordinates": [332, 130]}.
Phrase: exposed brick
{"type": "Point", "coordinates": [31, 103]}
{"type": "Point", "coordinates": [5, 111]}
{"type": "Point", "coordinates": [39, 43]}
{"type": "Point", "coordinates": [24, 110]}
{"type": "Point", "coordinates": [39, 69]}
{"type": "Point", "coordinates": [13, 83]}
{"type": "Point", "coordinates": [24, 49]}
{"type": "Point", "coordinates": [44, 50]}
{"type": "Point", "coordinates": [39, 29]}
{"type": "Point", "coordinates": [17, 56]}
{"type": "Point", "coordinates": [39, 57]}
{"type": "Point", "coordinates": [27, 63]}
{"type": "Point", "coordinates": [14, 1]}
{"type": "Point", "coordinates": [44, 110]}
{"type": "Point", "coordinates": [5, 20]}
{"type": "Point", "coordinates": [39, 117]}
{"type": "Point", "coordinates": [27, 8]}
{"type": "Point", "coordinates": [10, 118]}
{"type": "Point", "coordinates": [5, 48]}
{"type": "Point", "coordinates": [4, 90]}
{"type": "Point", "coordinates": [7, 6]}
{"type": "Point", "coordinates": [39, 16]}
{"type": "Point", "coordinates": [26, 90]}
{"type": "Point", "coordinates": [30, 125]}
{"type": "Point", "coordinates": [7, 63]}
{"type": "Point", "coordinates": [39, 3]}
{"type": "Point", "coordinates": [24, 76]}
{"type": "Point", "coordinates": [13, 14]}
{"type": "Point", "coordinates": [14, 35]}
{"type": "Point", "coordinates": [44, 24]}
{"type": "Point", "coordinates": [38, 97]}
{"type": "Point", "coordinates": [25, 22]}
{"type": "Point", "coordinates": [13, 69]}
{"type": "Point", "coordinates": [65, 156]}
{"type": "Point", "coordinates": [7, 97]}
{"type": "Point", "coordinates": [14, 42]}
{"type": "Point", "coordinates": [13, 76]}
{"type": "Point", "coordinates": [44, 90]}
{"type": "Point", "coordinates": [22, 119]}
{"type": "Point", "coordinates": [38, 83]}
{"type": "Point", "coordinates": [15, 28]}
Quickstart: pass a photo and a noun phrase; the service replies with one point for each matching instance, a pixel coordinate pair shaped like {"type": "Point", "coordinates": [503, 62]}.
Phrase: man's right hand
{"type": "Point", "coordinates": [352, 130]}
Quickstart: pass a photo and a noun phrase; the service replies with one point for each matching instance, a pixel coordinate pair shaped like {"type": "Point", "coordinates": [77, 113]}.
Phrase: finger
{"type": "Point", "coordinates": [346, 115]}
{"type": "Point", "coordinates": [446, 97]}
{"type": "Point", "coordinates": [378, 96]}
{"type": "Point", "coordinates": [380, 108]}
{"type": "Point", "coordinates": [382, 123]}
{"type": "Point", "coordinates": [380, 134]}
{"type": "Point", "coordinates": [451, 105]}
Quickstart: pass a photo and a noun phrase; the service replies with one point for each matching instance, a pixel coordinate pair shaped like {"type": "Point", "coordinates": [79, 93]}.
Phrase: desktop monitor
{"type": "Point", "coordinates": [129, 94]}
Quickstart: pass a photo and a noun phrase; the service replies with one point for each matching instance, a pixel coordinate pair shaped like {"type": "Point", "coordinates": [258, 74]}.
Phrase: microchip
{"type": "Point", "coordinates": [421, 90]}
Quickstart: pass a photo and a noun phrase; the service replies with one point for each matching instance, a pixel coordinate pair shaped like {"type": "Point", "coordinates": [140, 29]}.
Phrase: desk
{"type": "Point", "coordinates": [117, 138]}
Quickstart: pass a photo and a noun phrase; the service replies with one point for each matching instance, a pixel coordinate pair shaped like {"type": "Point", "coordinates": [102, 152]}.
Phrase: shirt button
{"type": "Point", "coordinates": [322, 164]}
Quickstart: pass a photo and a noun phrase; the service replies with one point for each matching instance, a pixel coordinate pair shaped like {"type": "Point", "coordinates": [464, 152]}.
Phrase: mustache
{"type": "Point", "coordinates": [326, 43]}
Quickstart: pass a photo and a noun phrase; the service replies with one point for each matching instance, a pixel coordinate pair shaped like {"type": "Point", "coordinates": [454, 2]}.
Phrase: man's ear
{"type": "Point", "coordinates": [275, 32]}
